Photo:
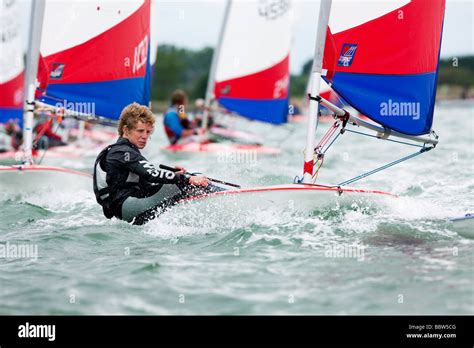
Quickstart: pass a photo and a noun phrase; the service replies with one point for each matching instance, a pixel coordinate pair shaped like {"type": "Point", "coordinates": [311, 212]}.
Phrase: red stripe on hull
{"type": "Point", "coordinates": [295, 187]}
{"type": "Point", "coordinates": [20, 168]}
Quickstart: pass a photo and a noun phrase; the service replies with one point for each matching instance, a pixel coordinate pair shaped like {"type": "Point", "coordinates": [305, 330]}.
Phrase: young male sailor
{"type": "Point", "coordinates": [127, 185]}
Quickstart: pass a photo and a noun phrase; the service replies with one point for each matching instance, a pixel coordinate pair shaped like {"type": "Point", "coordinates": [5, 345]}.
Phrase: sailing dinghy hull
{"type": "Point", "coordinates": [235, 136]}
{"type": "Point", "coordinates": [298, 198]}
{"type": "Point", "coordinates": [219, 148]}
{"type": "Point", "coordinates": [28, 178]}
{"type": "Point", "coordinates": [71, 151]}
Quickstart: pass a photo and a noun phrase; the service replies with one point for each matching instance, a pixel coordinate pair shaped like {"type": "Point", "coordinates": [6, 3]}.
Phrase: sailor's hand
{"type": "Point", "coordinates": [182, 170]}
{"type": "Point", "coordinates": [199, 181]}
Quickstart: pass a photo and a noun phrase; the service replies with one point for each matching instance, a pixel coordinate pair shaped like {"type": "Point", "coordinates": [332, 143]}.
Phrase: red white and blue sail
{"type": "Point", "coordinates": [252, 75]}
{"type": "Point", "coordinates": [382, 58]}
{"type": "Point", "coordinates": [97, 55]}
{"type": "Point", "coordinates": [11, 62]}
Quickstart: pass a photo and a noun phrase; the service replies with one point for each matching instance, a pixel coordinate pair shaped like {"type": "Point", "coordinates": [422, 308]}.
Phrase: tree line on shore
{"type": "Point", "coordinates": [189, 70]}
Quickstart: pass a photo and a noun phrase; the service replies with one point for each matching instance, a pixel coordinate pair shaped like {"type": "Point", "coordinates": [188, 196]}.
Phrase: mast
{"type": "Point", "coordinates": [323, 21]}
{"type": "Point", "coordinates": [32, 57]}
{"type": "Point", "coordinates": [212, 72]}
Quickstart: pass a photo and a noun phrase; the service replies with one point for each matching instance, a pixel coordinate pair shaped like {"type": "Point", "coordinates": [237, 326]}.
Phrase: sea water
{"type": "Point", "coordinates": [402, 257]}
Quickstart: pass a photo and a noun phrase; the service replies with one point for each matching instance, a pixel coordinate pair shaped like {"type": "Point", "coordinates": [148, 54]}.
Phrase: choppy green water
{"type": "Point", "coordinates": [407, 259]}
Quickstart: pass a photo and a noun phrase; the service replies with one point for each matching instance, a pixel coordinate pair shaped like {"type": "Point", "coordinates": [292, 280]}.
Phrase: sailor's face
{"type": "Point", "coordinates": [139, 135]}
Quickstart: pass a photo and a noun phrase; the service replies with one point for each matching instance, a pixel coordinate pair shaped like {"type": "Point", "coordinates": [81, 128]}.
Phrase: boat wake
{"type": "Point", "coordinates": [402, 216]}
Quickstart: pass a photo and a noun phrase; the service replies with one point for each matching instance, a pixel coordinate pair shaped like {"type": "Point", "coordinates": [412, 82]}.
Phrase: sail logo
{"type": "Point", "coordinates": [225, 90]}
{"type": "Point", "coordinates": [347, 55]}
{"type": "Point", "coordinates": [18, 96]}
{"type": "Point", "coordinates": [57, 71]}
{"type": "Point", "coordinates": [406, 109]}
{"type": "Point", "coordinates": [273, 9]}
{"type": "Point", "coordinates": [9, 29]}
{"type": "Point", "coordinates": [140, 56]}
{"type": "Point", "coordinates": [8, 3]}
{"type": "Point", "coordinates": [281, 87]}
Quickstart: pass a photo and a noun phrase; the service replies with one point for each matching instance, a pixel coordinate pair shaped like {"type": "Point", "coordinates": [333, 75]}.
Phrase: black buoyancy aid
{"type": "Point", "coordinates": [101, 188]}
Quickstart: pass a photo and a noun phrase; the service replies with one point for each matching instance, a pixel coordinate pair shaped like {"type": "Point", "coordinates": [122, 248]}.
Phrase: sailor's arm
{"type": "Point", "coordinates": [139, 165]}
{"type": "Point", "coordinates": [146, 170]}
{"type": "Point", "coordinates": [149, 172]}
{"type": "Point", "coordinates": [166, 177]}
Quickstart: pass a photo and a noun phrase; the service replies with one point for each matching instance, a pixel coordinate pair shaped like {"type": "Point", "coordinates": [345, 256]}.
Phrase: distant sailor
{"type": "Point", "coordinates": [131, 188]}
{"type": "Point", "coordinates": [46, 137]}
{"type": "Point", "coordinates": [12, 129]}
{"type": "Point", "coordinates": [199, 110]}
{"type": "Point", "coordinates": [178, 127]}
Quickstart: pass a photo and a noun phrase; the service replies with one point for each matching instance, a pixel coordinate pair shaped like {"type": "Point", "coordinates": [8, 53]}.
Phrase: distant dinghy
{"type": "Point", "coordinates": [82, 69]}
{"type": "Point", "coordinates": [250, 70]}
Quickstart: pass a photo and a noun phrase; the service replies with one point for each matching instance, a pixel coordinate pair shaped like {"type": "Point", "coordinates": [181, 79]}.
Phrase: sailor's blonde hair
{"type": "Point", "coordinates": [132, 114]}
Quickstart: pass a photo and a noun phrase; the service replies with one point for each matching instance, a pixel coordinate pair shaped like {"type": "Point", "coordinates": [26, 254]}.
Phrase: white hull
{"type": "Point", "coordinates": [71, 151]}
{"type": "Point", "coordinates": [222, 148]}
{"type": "Point", "coordinates": [37, 178]}
{"type": "Point", "coordinates": [296, 198]}
{"type": "Point", "coordinates": [235, 136]}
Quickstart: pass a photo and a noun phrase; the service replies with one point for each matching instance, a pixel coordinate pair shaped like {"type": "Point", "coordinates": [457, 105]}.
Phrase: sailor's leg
{"type": "Point", "coordinates": [141, 210]}
{"type": "Point", "coordinates": [133, 207]}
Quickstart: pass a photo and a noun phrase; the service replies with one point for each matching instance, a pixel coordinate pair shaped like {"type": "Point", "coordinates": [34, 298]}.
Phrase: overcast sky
{"type": "Point", "coordinates": [196, 23]}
